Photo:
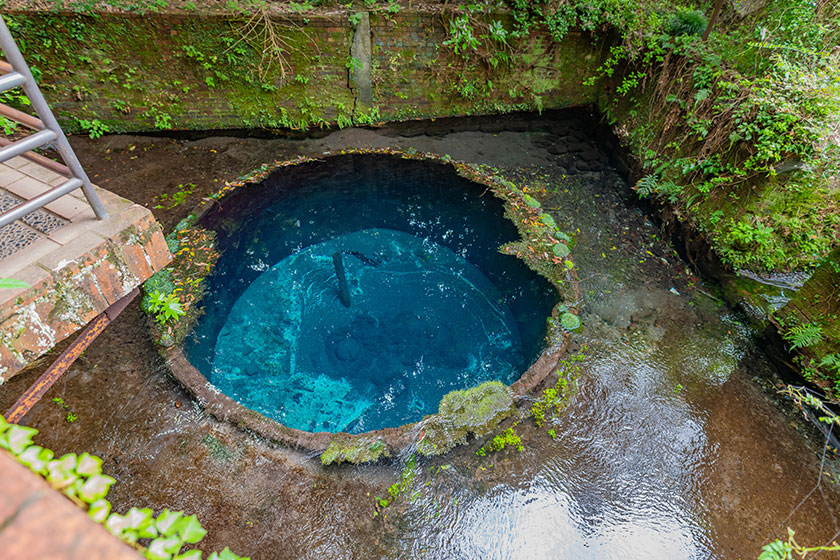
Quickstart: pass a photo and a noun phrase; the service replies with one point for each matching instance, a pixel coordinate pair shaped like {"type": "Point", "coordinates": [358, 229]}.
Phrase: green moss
{"type": "Point", "coordinates": [218, 451]}
{"type": "Point", "coordinates": [810, 324]}
{"type": "Point", "coordinates": [349, 449]}
{"type": "Point", "coordinates": [508, 438]}
{"type": "Point", "coordinates": [477, 410]}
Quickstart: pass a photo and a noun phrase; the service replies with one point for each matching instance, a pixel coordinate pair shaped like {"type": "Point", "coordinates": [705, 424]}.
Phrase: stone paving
{"type": "Point", "coordinates": [76, 265]}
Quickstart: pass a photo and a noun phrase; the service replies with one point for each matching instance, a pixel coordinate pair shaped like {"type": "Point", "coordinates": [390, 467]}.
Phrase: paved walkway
{"type": "Point", "coordinates": [45, 229]}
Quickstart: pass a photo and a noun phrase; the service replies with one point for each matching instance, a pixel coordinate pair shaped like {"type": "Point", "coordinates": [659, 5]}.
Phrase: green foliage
{"type": "Point", "coordinates": [530, 201]}
{"type": "Point", "coordinates": [776, 550]}
{"type": "Point", "coordinates": [9, 126]}
{"type": "Point", "coordinates": [508, 438]}
{"type": "Point", "coordinates": [161, 119]}
{"type": "Point", "coordinates": [80, 478]}
{"type": "Point", "coordinates": [121, 106]}
{"type": "Point", "coordinates": [164, 307]}
{"type": "Point", "coordinates": [569, 321]}
{"type": "Point", "coordinates": [462, 39]}
{"type": "Point", "coordinates": [12, 284]}
{"type": "Point", "coordinates": [553, 398]}
{"type": "Point", "coordinates": [561, 250]}
{"type": "Point", "coordinates": [177, 198]}
{"type": "Point", "coordinates": [803, 335]}
{"type": "Point", "coordinates": [407, 476]}
{"type": "Point", "coordinates": [687, 22]}
{"type": "Point", "coordinates": [477, 410]}
{"type": "Point", "coordinates": [95, 128]}
{"type": "Point", "coordinates": [354, 450]}
{"type": "Point", "coordinates": [791, 550]}
{"type": "Point", "coordinates": [734, 132]}
{"type": "Point", "coordinates": [832, 363]}
{"type": "Point", "coordinates": [70, 417]}
{"type": "Point", "coordinates": [160, 282]}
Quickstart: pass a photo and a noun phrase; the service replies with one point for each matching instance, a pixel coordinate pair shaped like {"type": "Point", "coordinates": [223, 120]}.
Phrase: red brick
{"type": "Point", "coordinates": [80, 284]}
{"type": "Point", "coordinates": [32, 341]}
{"type": "Point", "coordinates": [135, 260]}
{"type": "Point", "coordinates": [39, 281]}
{"type": "Point", "coordinates": [110, 281]}
{"type": "Point", "coordinates": [157, 250]}
{"type": "Point", "coordinates": [7, 360]}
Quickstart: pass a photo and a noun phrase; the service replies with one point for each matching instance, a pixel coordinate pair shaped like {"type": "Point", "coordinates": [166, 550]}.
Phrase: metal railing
{"type": "Point", "coordinates": [14, 72]}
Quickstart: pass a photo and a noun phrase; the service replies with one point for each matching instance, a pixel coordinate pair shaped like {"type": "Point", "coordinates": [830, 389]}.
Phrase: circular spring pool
{"type": "Point", "coordinates": [352, 294]}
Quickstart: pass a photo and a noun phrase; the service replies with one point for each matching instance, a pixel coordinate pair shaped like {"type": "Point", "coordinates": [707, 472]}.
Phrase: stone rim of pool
{"type": "Point", "coordinates": [380, 442]}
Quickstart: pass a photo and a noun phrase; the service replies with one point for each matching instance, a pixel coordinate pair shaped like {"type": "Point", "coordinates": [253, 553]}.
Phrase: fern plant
{"type": "Point", "coordinates": [832, 363]}
{"type": "Point", "coordinates": [647, 185]}
{"type": "Point", "coordinates": [687, 22]}
{"type": "Point", "coordinates": [803, 335]}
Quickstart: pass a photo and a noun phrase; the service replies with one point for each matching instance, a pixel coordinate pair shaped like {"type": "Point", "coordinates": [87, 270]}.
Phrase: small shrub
{"type": "Point", "coordinates": [160, 282]}
{"type": "Point", "coordinates": [164, 307]}
{"type": "Point", "coordinates": [95, 128]}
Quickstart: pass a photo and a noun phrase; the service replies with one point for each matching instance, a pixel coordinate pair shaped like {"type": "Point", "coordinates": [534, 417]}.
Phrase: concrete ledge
{"type": "Point", "coordinates": [38, 522]}
{"type": "Point", "coordinates": [74, 275]}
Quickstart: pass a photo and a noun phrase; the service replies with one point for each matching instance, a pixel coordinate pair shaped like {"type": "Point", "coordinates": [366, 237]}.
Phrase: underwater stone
{"type": "Point", "coordinates": [560, 250]}
{"type": "Point", "coordinates": [531, 201]}
{"type": "Point", "coordinates": [548, 220]}
{"type": "Point", "coordinates": [477, 410]}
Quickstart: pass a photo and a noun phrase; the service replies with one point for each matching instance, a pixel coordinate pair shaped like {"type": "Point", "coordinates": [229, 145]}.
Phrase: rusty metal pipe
{"type": "Point", "coordinates": [38, 389]}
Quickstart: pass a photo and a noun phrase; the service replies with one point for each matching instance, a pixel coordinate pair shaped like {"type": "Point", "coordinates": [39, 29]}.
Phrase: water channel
{"type": "Point", "coordinates": [671, 447]}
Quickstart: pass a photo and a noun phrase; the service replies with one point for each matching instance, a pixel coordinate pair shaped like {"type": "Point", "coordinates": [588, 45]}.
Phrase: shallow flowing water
{"type": "Point", "coordinates": [669, 448]}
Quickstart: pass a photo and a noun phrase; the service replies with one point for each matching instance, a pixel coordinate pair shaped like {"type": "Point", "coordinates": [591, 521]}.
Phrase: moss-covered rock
{"type": "Point", "coordinates": [348, 449]}
{"type": "Point", "coordinates": [477, 410]}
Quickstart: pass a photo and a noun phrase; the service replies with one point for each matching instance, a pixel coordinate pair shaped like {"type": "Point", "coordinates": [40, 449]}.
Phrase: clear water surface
{"type": "Point", "coordinates": [433, 305]}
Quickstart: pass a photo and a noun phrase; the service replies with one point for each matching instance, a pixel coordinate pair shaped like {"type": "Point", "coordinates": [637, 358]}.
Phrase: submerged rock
{"type": "Point", "coordinates": [477, 410]}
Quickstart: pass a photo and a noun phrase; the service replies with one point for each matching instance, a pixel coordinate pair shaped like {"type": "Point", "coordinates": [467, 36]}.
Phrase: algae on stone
{"type": "Point", "coordinates": [477, 410]}
{"type": "Point", "coordinates": [348, 449]}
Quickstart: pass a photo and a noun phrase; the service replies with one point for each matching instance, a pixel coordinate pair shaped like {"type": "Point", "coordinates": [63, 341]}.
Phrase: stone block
{"type": "Point", "coordinates": [17, 161]}
{"type": "Point", "coordinates": [27, 187]}
{"type": "Point", "coordinates": [68, 207]}
{"type": "Point", "coordinates": [21, 259]}
{"type": "Point", "coordinates": [39, 172]}
{"type": "Point", "coordinates": [9, 175]}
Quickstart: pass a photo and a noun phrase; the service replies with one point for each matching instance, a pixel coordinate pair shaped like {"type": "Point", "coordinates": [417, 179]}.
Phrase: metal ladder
{"type": "Point", "coordinates": [16, 73]}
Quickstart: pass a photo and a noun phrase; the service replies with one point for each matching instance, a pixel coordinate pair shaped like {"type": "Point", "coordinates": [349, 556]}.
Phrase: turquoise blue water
{"type": "Point", "coordinates": [433, 306]}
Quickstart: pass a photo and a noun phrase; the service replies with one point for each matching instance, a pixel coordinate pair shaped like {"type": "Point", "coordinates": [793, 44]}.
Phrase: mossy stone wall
{"type": "Point", "coordinates": [174, 72]}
